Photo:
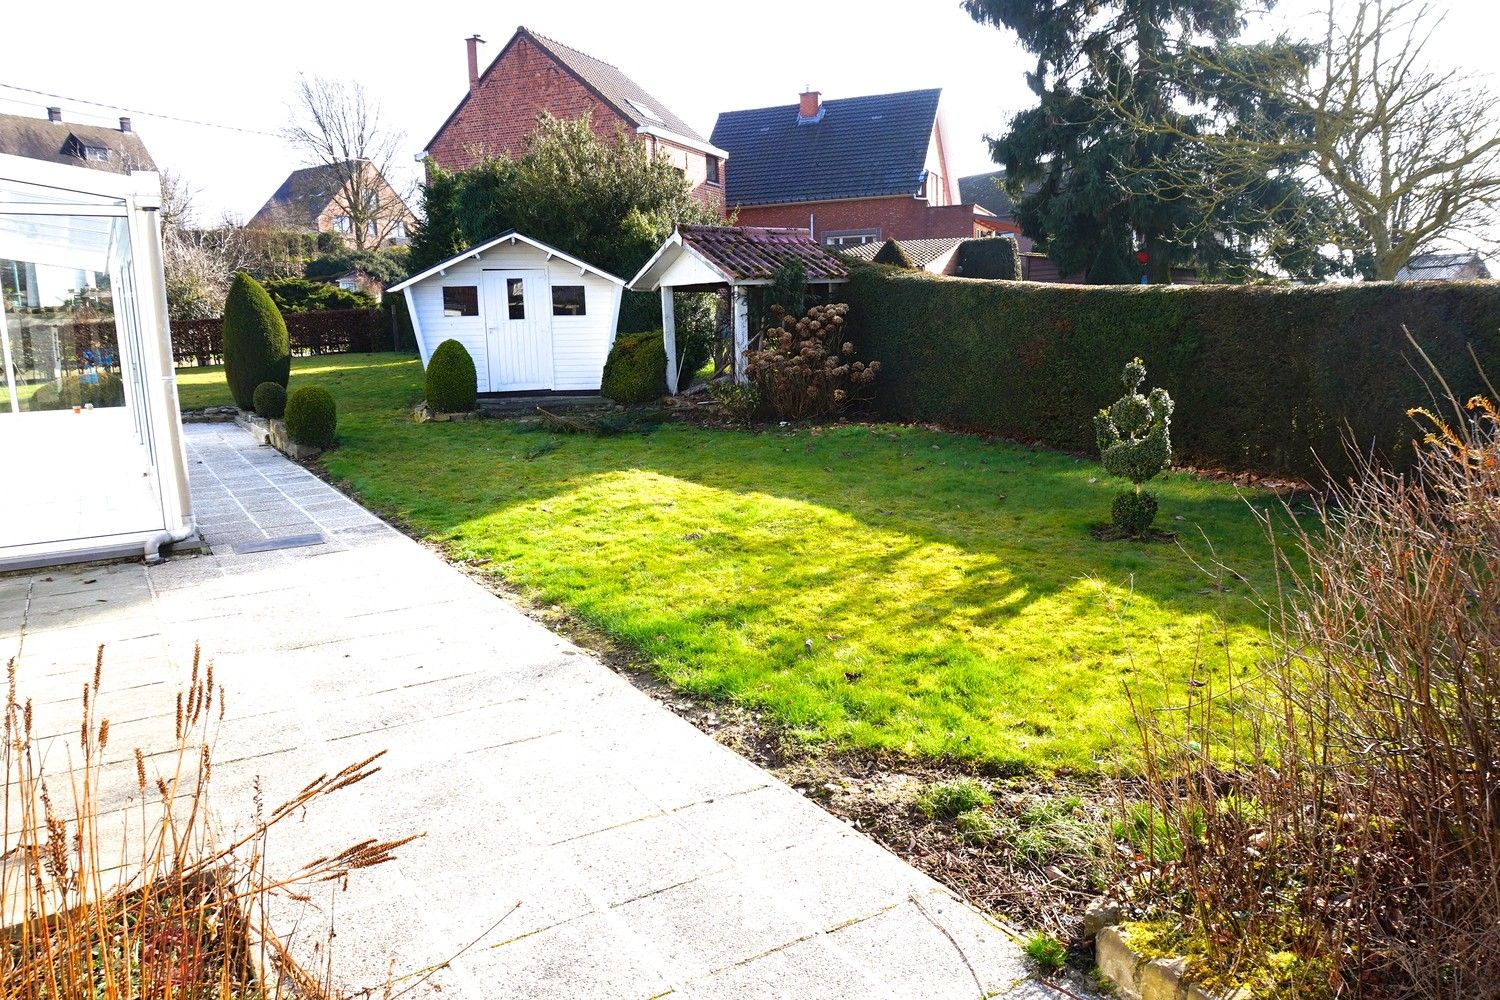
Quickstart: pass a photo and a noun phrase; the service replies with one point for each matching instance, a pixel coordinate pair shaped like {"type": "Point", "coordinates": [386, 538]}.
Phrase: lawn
{"type": "Point", "coordinates": [876, 587]}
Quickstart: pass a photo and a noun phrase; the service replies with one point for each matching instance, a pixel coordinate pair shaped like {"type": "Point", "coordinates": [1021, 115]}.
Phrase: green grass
{"type": "Point", "coordinates": [885, 587]}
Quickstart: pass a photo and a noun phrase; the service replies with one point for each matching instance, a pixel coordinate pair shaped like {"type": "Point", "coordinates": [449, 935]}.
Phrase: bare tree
{"type": "Point", "coordinates": [337, 126]}
{"type": "Point", "coordinates": [1408, 154]}
{"type": "Point", "coordinates": [195, 263]}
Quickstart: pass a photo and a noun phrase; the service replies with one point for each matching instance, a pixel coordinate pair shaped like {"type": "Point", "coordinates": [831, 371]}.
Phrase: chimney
{"type": "Point", "coordinates": [54, 114]}
{"type": "Point", "coordinates": [811, 108]}
{"type": "Point", "coordinates": [124, 124]}
{"type": "Point", "coordinates": [473, 42]}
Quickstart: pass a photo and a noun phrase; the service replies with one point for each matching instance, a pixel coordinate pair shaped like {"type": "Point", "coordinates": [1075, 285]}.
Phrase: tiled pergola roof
{"type": "Point", "coordinates": [749, 253]}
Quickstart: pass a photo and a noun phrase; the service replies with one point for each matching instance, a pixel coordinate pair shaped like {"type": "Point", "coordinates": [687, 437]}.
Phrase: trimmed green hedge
{"type": "Point", "coordinates": [892, 253]}
{"type": "Point", "coordinates": [451, 381]}
{"type": "Point", "coordinates": [990, 257]}
{"type": "Point", "coordinates": [1266, 379]}
{"type": "Point", "coordinates": [636, 369]}
{"type": "Point", "coordinates": [270, 400]}
{"type": "Point", "coordinates": [256, 345]}
{"type": "Point", "coordinates": [311, 417]}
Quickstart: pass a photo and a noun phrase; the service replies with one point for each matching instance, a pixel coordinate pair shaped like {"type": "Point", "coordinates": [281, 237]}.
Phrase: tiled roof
{"type": "Point", "coordinates": [985, 190]}
{"type": "Point", "coordinates": [299, 201]}
{"type": "Point", "coordinates": [637, 106]}
{"type": "Point", "coordinates": [749, 253]}
{"type": "Point", "coordinates": [63, 142]}
{"type": "Point", "coordinates": [1444, 267]}
{"type": "Point", "coordinates": [919, 252]}
{"type": "Point", "coordinates": [860, 147]}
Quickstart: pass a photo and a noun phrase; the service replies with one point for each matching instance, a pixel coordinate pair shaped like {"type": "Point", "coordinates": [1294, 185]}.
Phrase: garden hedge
{"type": "Point", "coordinates": [256, 346]}
{"type": "Point", "coordinates": [1266, 379]}
{"type": "Point", "coordinates": [451, 381]}
{"type": "Point", "coordinates": [990, 257]}
{"type": "Point", "coordinates": [311, 417]}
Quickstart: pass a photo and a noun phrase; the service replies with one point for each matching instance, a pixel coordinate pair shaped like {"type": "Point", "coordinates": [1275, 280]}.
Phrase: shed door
{"type": "Point", "coordinates": [518, 327]}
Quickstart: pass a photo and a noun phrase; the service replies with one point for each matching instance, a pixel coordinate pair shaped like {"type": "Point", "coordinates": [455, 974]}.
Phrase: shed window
{"type": "Point", "coordinates": [515, 297]}
{"type": "Point", "coordinates": [460, 300]}
{"type": "Point", "coordinates": [568, 300]}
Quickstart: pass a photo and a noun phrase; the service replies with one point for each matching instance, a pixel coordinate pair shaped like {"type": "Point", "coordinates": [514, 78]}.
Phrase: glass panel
{"type": "Point", "coordinates": [56, 277]}
{"type": "Point", "coordinates": [568, 300]}
{"type": "Point", "coordinates": [460, 300]}
{"type": "Point", "coordinates": [515, 296]}
{"type": "Point", "coordinates": [18, 191]}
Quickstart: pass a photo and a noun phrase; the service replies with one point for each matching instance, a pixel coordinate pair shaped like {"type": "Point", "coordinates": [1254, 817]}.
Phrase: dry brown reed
{"type": "Point", "coordinates": [1330, 826]}
{"type": "Point", "coordinates": [162, 911]}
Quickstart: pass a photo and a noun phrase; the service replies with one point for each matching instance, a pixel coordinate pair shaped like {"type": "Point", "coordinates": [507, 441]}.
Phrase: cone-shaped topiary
{"type": "Point", "coordinates": [895, 255]}
{"type": "Point", "coordinates": [1135, 443]}
{"type": "Point", "coordinates": [636, 370]}
{"type": "Point", "coordinates": [256, 346]}
{"type": "Point", "coordinates": [451, 381]}
{"type": "Point", "coordinates": [270, 400]}
{"type": "Point", "coordinates": [311, 417]}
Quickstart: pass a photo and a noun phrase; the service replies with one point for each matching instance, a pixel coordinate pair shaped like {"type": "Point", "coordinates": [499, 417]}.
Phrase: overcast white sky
{"type": "Point", "coordinates": [190, 60]}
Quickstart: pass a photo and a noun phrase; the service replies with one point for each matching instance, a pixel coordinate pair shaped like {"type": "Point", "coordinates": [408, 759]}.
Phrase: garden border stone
{"type": "Point", "coordinates": [1140, 978]}
{"type": "Point", "coordinates": [273, 433]}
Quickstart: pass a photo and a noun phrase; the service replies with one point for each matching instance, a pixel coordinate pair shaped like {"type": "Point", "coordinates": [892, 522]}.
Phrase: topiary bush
{"type": "Point", "coordinates": [311, 417]}
{"type": "Point", "coordinates": [997, 257]}
{"type": "Point", "coordinates": [893, 254]}
{"type": "Point", "coordinates": [636, 369]}
{"type": "Point", "coordinates": [256, 346]}
{"type": "Point", "coordinates": [270, 400]}
{"type": "Point", "coordinates": [451, 382]}
{"type": "Point", "coordinates": [1135, 443]}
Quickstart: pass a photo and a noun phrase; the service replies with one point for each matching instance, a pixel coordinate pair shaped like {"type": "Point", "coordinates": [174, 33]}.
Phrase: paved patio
{"type": "Point", "coordinates": [646, 859]}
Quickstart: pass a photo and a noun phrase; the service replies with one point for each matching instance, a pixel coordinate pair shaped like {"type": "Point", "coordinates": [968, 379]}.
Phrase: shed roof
{"type": "Point", "coordinates": [743, 255]}
{"type": "Point", "coordinates": [1444, 267]}
{"type": "Point", "coordinates": [857, 147]}
{"type": "Point", "coordinates": [507, 237]}
{"type": "Point", "coordinates": [64, 142]}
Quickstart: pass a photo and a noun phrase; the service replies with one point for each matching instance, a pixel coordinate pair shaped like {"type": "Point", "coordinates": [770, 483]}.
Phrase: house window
{"type": "Point", "coordinates": [568, 300]}
{"type": "Point", "coordinates": [343, 224]}
{"type": "Point", "coordinates": [850, 238]}
{"type": "Point", "coordinates": [398, 230]}
{"type": "Point", "coordinates": [460, 300]}
{"type": "Point", "coordinates": [515, 297]}
{"type": "Point", "coordinates": [713, 170]}
{"type": "Point", "coordinates": [99, 153]}
{"type": "Point", "coordinates": [371, 229]}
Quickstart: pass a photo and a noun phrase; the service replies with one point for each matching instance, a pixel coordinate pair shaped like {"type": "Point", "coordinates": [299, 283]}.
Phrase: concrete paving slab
{"type": "Point", "coordinates": [579, 840]}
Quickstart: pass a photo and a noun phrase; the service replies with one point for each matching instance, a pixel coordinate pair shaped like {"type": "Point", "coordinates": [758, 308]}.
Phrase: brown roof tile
{"type": "Point", "coordinates": [750, 253]}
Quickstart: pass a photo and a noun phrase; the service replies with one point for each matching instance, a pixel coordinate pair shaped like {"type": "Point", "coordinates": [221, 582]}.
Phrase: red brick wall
{"type": "Point", "coordinates": [898, 218]}
{"type": "Point", "coordinates": [493, 121]}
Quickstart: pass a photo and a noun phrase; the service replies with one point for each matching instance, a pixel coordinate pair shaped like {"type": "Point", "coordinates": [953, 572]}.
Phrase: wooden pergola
{"type": "Point", "coordinates": [710, 258]}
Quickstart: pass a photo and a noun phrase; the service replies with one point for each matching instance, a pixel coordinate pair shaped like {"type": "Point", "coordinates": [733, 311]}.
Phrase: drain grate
{"type": "Point", "coordinates": [285, 542]}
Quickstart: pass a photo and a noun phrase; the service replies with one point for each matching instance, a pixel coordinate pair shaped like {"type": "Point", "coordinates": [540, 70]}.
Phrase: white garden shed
{"type": "Point", "coordinates": [533, 318]}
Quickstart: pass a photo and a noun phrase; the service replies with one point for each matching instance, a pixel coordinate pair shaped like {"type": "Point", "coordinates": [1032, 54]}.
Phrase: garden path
{"type": "Point", "coordinates": [580, 839]}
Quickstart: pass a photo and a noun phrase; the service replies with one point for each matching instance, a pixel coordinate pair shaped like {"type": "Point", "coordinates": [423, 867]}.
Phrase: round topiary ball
{"type": "Point", "coordinates": [311, 417]}
{"type": "Point", "coordinates": [270, 400]}
{"type": "Point", "coordinates": [1133, 512]}
{"type": "Point", "coordinates": [636, 370]}
{"type": "Point", "coordinates": [451, 381]}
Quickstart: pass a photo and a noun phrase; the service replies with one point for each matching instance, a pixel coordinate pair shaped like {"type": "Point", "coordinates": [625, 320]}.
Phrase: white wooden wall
{"type": "Point", "coordinates": [580, 344]}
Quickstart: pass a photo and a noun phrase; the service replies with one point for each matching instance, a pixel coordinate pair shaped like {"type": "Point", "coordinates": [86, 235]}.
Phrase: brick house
{"type": "Point", "coordinates": [312, 200]}
{"type": "Point", "coordinates": [853, 170]}
{"type": "Point", "coordinates": [533, 74]}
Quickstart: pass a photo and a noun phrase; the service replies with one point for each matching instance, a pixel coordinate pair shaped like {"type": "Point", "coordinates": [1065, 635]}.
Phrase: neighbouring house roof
{"type": "Point", "coordinates": [985, 190]}
{"type": "Point", "coordinates": [858, 147]}
{"type": "Point", "coordinates": [510, 236]}
{"type": "Point", "coordinates": [303, 196]}
{"type": "Point", "coordinates": [743, 255]}
{"type": "Point", "coordinates": [919, 252]}
{"type": "Point", "coordinates": [619, 91]}
{"type": "Point", "coordinates": [1444, 267]}
{"type": "Point", "coordinates": [65, 142]}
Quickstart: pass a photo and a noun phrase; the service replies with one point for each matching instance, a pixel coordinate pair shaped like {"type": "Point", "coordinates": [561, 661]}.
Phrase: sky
{"type": "Point", "coordinates": [160, 61]}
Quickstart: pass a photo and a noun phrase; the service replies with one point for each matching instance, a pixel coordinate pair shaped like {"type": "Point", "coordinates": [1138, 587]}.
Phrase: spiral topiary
{"type": "Point", "coordinates": [452, 383]}
{"type": "Point", "coordinates": [270, 400]}
{"type": "Point", "coordinates": [256, 345]}
{"type": "Point", "coordinates": [311, 417]}
{"type": "Point", "coordinates": [1135, 443]}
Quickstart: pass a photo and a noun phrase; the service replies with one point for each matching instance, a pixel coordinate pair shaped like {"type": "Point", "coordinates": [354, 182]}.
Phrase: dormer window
{"type": "Point", "coordinates": [99, 154]}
